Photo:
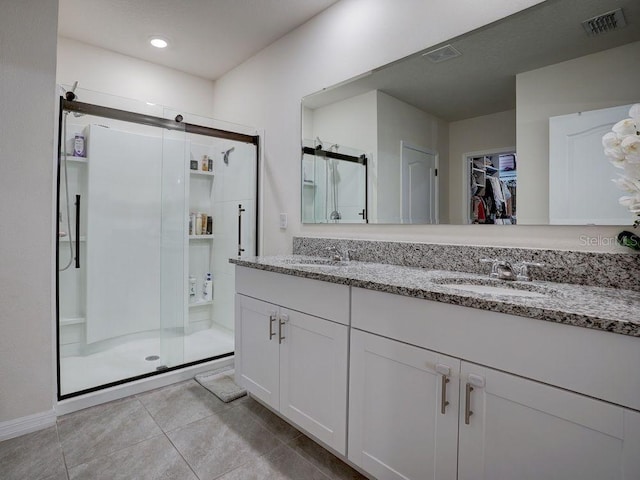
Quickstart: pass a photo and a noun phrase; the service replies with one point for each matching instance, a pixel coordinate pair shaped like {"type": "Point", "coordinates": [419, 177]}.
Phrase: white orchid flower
{"type": "Point", "coordinates": [632, 170]}
{"type": "Point", "coordinates": [631, 148]}
{"type": "Point", "coordinates": [625, 127]}
{"type": "Point", "coordinates": [611, 140]}
{"type": "Point", "coordinates": [628, 184]}
{"type": "Point", "coordinates": [632, 202]}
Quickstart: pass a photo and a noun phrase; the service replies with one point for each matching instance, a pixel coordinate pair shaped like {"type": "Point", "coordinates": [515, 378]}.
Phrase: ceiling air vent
{"type": "Point", "coordinates": [441, 54]}
{"type": "Point", "coordinates": [605, 23]}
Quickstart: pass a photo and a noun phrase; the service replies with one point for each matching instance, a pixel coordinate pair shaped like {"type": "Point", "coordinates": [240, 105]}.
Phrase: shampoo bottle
{"type": "Point", "coordinates": [192, 289]}
{"type": "Point", "coordinates": [207, 289]}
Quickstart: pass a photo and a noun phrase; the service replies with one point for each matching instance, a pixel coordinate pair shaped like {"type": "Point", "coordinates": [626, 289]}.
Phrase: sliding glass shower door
{"type": "Point", "coordinates": [142, 286]}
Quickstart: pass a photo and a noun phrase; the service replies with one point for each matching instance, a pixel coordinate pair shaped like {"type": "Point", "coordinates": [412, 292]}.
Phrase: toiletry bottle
{"type": "Point", "coordinates": [190, 224]}
{"type": "Point", "coordinates": [193, 224]}
{"type": "Point", "coordinates": [207, 288]}
{"type": "Point", "coordinates": [198, 224]}
{"type": "Point", "coordinates": [209, 225]}
{"type": "Point", "coordinates": [205, 163]}
{"type": "Point", "coordinates": [210, 165]}
{"type": "Point", "coordinates": [192, 289]}
{"type": "Point", "coordinates": [78, 145]}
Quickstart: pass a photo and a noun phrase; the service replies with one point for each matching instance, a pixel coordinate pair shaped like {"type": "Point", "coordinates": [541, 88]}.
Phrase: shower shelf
{"type": "Point", "coordinates": [201, 304]}
{"type": "Point", "coordinates": [72, 320]}
{"type": "Point", "coordinates": [200, 237]}
{"type": "Point", "coordinates": [66, 239]}
{"type": "Point", "coordinates": [71, 158]}
{"type": "Point", "coordinates": [204, 174]}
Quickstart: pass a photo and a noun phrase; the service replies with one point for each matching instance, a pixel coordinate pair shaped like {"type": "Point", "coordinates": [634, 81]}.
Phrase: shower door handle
{"type": "Point", "coordinates": [77, 231]}
{"type": "Point", "coordinates": [240, 210]}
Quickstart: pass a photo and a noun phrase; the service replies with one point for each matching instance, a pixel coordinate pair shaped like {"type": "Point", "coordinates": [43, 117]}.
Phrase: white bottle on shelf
{"type": "Point", "coordinates": [192, 289]}
{"type": "Point", "coordinates": [207, 290]}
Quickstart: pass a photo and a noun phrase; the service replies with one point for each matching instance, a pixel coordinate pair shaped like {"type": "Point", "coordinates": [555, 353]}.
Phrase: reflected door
{"type": "Point", "coordinates": [578, 169]}
{"type": "Point", "coordinates": [419, 185]}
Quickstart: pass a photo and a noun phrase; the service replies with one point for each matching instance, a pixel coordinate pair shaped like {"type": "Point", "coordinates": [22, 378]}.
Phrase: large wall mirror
{"type": "Point", "coordinates": [501, 126]}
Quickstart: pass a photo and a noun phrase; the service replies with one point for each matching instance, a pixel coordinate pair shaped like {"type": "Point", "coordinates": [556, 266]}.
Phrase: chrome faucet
{"type": "Point", "coordinates": [503, 270]}
{"type": "Point", "coordinates": [338, 253]}
{"type": "Point", "coordinates": [523, 270]}
{"type": "Point", "coordinates": [500, 269]}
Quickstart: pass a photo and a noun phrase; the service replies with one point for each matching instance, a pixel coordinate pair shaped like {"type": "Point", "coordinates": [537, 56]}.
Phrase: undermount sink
{"type": "Point", "coordinates": [491, 287]}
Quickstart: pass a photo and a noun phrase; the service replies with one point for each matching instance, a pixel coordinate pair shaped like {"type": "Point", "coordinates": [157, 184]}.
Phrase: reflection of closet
{"type": "Point", "coordinates": [492, 188]}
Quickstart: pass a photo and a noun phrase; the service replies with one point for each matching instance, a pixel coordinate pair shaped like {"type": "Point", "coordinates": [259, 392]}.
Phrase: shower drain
{"type": "Point", "coordinates": [152, 358]}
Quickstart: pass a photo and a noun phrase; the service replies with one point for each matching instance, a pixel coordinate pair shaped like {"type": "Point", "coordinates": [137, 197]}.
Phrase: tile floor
{"type": "Point", "coordinates": [180, 432]}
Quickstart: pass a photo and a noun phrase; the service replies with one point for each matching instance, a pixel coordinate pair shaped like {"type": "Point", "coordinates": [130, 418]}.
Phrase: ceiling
{"type": "Point", "coordinates": [206, 37]}
{"type": "Point", "coordinates": [482, 80]}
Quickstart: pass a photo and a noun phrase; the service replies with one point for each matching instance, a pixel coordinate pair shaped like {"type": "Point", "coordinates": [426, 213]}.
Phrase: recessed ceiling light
{"type": "Point", "coordinates": [158, 42]}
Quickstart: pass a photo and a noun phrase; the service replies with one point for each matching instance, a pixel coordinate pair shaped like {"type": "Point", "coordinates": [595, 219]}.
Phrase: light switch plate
{"type": "Point", "coordinates": [283, 220]}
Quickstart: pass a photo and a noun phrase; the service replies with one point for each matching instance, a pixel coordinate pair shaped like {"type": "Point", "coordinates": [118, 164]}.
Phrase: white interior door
{"type": "Point", "coordinates": [580, 188]}
{"type": "Point", "coordinates": [521, 429]}
{"type": "Point", "coordinates": [419, 185]}
{"type": "Point", "coordinates": [313, 376]}
{"type": "Point", "coordinates": [397, 428]}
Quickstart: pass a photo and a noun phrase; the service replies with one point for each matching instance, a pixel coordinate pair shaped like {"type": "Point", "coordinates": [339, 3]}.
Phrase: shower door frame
{"type": "Point", "coordinates": [153, 121]}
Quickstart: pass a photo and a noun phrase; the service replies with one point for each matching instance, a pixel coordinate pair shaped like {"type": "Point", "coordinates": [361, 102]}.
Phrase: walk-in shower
{"type": "Point", "coordinates": [147, 220]}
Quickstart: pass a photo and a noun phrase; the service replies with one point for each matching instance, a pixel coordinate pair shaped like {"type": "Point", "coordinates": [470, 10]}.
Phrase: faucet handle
{"type": "Point", "coordinates": [523, 271]}
{"type": "Point", "coordinates": [494, 265]}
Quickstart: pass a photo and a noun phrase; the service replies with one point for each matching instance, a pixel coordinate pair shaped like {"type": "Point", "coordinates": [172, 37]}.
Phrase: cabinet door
{"type": "Point", "coordinates": [397, 428]}
{"type": "Point", "coordinates": [313, 376]}
{"type": "Point", "coordinates": [257, 352]}
{"type": "Point", "coordinates": [531, 431]}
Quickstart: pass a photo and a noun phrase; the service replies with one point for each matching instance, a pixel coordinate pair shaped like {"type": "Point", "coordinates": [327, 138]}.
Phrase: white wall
{"type": "Point", "coordinates": [487, 132]}
{"type": "Point", "coordinates": [558, 90]}
{"type": "Point", "coordinates": [348, 39]}
{"type": "Point", "coordinates": [28, 30]}
{"type": "Point", "coordinates": [112, 73]}
{"type": "Point", "coordinates": [398, 121]}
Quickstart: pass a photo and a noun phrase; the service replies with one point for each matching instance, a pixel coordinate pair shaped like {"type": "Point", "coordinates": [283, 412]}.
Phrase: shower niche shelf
{"type": "Point", "coordinates": [201, 173]}
{"type": "Point", "coordinates": [201, 304]}
{"type": "Point", "coordinates": [71, 158]}
{"type": "Point", "coordinates": [72, 320]}
{"type": "Point", "coordinates": [201, 237]}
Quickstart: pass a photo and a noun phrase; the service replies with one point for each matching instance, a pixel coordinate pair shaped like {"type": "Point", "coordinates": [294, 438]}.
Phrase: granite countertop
{"type": "Point", "coordinates": [608, 309]}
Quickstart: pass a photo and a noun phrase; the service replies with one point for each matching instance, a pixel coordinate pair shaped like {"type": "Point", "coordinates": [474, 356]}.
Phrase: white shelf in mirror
{"type": "Point", "coordinates": [71, 158]}
{"type": "Point", "coordinates": [200, 172]}
{"type": "Point", "coordinates": [201, 303]}
{"type": "Point", "coordinates": [72, 320]}
{"type": "Point", "coordinates": [73, 239]}
{"type": "Point", "coordinates": [201, 237]}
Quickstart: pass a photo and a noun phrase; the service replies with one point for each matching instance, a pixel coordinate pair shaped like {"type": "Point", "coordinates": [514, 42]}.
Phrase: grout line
{"type": "Point", "coordinates": [181, 456]}
{"type": "Point", "coordinates": [64, 457]}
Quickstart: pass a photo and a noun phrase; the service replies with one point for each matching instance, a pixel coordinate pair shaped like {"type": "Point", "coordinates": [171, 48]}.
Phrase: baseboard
{"type": "Point", "coordinates": [28, 424]}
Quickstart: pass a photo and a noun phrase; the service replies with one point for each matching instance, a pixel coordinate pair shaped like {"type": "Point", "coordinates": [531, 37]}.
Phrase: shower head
{"type": "Point", "coordinates": [70, 95]}
{"type": "Point", "coordinates": [318, 144]}
{"type": "Point", "coordinates": [225, 155]}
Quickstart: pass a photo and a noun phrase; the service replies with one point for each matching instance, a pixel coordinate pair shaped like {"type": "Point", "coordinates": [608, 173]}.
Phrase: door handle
{"type": "Point", "coordinates": [77, 231]}
{"type": "Point", "coordinates": [474, 381]}
{"type": "Point", "coordinates": [272, 318]}
{"type": "Point", "coordinates": [240, 210]}
{"type": "Point", "coordinates": [445, 371]}
{"type": "Point", "coordinates": [283, 319]}
{"type": "Point", "coordinates": [467, 403]}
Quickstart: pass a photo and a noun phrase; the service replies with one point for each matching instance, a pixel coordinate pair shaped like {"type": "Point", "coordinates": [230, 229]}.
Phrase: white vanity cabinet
{"type": "Point", "coordinates": [508, 426]}
{"type": "Point", "coordinates": [403, 410]}
{"type": "Point", "coordinates": [512, 427]}
{"type": "Point", "coordinates": [295, 362]}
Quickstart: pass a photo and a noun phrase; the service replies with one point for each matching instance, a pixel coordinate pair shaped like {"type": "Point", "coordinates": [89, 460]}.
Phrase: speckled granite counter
{"type": "Point", "coordinates": [608, 309]}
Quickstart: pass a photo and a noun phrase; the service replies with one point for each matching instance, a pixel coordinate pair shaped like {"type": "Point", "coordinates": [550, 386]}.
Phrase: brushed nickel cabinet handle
{"type": "Point", "coordinates": [283, 319]}
{"type": "Point", "coordinates": [272, 319]}
{"type": "Point", "coordinates": [467, 406]}
{"type": "Point", "coordinates": [443, 399]}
